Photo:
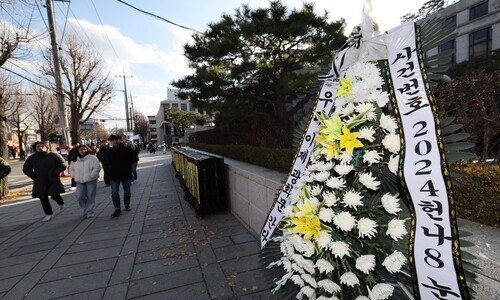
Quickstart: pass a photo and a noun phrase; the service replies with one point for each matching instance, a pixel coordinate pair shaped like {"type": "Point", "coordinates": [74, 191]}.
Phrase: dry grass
{"type": "Point", "coordinates": [16, 194]}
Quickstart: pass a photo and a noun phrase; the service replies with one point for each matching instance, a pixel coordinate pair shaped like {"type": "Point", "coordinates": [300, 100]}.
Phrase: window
{"type": "Point", "coordinates": [175, 105]}
{"type": "Point", "coordinates": [152, 129]}
{"type": "Point", "coordinates": [478, 11]}
{"type": "Point", "coordinates": [152, 121]}
{"type": "Point", "coordinates": [480, 43]}
{"type": "Point", "coordinates": [449, 45]}
{"type": "Point", "coordinates": [452, 21]}
{"type": "Point", "coordinates": [184, 106]}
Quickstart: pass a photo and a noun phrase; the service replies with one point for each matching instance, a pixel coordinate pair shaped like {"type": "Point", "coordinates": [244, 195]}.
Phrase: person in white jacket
{"type": "Point", "coordinates": [85, 169]}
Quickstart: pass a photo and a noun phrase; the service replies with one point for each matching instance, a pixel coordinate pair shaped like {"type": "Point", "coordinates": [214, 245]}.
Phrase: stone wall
{"type": "Point", "coordinates": [251, 191]}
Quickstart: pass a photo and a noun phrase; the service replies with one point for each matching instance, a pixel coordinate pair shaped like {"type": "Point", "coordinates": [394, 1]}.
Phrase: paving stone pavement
{"type": "Point", "coordinates": [159, 250]}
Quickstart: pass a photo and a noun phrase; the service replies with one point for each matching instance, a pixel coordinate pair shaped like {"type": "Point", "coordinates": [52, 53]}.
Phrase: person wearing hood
{"type": "Point", "coordinates": [45, 168]}
{"type": "Point", "coordinates": [85, 169]}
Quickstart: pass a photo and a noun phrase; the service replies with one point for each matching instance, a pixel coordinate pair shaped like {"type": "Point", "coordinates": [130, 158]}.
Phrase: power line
{"type": "Point", "coordinates": [30, 80]}
{"type": "Point", "coordinates": [161, 18]}
{"type": "Point", "coordinates": [103, 28]}
{"type": "Point", "coordinates": [65, 23]}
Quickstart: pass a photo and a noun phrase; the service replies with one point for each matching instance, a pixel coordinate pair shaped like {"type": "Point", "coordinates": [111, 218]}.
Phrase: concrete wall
{"type": "Point", "coordinates": [251, 192]}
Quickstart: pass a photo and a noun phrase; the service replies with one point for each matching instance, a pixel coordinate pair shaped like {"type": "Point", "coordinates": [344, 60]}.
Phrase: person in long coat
{"type": "Point", "coordinates": [102, 155]}
{"type": "Point", "coordinates": [45, 168]}
{"type": "Point", "coordinates": [120, 162]}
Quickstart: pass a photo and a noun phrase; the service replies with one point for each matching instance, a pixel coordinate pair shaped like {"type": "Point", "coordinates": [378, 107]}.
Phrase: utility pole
{"type": "Point", "coordinates": [57, 74]}
{"type": "Point", "coordinates": [126, 97]}
{"type": "Point", "coordinates": [133, 121]}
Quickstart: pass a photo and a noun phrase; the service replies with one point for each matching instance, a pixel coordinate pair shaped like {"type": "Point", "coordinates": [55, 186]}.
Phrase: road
{"type": "Point", "coordinates": [17, 179]}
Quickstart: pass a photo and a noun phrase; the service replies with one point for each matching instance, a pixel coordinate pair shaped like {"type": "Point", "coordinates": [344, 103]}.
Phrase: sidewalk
{"type": "Point", "coordinates": [159, 250]}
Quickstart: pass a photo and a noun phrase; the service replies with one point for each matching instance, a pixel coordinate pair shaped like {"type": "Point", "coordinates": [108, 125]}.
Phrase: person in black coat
{"type": "Point", "coordinates": [120, 171]}
{"type": "Point", "coordinates": [102, 155]}
{"type": "Point", "coordinates": [45, 168]}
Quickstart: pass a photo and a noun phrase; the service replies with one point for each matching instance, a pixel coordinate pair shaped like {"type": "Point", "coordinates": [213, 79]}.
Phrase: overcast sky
{"type": "Point", "coordinates": [151, 51]}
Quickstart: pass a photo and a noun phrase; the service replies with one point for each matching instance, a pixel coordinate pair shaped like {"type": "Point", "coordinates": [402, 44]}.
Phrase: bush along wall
{"type": "Point", "coordinates": [271, 158]}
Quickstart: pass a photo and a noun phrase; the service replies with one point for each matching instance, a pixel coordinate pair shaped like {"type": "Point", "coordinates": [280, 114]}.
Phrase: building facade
{"type": "Point", "coordinates": [477, 25]}
{"type": "Point", "coordinates": [165, 132]}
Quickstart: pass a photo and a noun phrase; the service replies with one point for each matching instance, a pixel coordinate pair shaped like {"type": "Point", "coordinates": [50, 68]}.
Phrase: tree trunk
{"type": "Point", "coordinates": [3, 147]}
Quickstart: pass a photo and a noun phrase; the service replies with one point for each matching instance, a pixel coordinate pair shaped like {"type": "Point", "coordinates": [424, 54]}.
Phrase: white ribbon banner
{"type": "Point", "coordinates": [433, 243]}
{"type": "Point", "coordinates": [324, 103]}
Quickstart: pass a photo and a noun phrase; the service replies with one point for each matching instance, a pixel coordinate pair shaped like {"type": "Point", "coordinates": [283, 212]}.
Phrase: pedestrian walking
{"type": "Point", "coordinates": [45, 168]}
{"type": "Point", "coordinates": [4, 171]}
{"type": "Point", "coordinates": [120, 162]}
{"type": "Point", "coordinates": [85, 170]}
{"type": "Point", "coordinates": [102, 155]}
{"type": "Point", "coordinates": [71, 156]}
{"type": "Point", "coordinates": [135, 150]}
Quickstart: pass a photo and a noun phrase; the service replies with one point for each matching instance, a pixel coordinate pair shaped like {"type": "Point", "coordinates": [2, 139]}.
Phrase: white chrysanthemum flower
{"type": "Point", "coordinates": [381, 291]}
{"type": "Point", "coordinates": [297, 269]}
{"type": "Point", "coordinates": [369, 181]}
{"type": "Point", "coordinates": [325, 167]}
{"type": "Point", "coordinates": [324, 240]}
{"type": "Point", "coordinates": [329, 286]}
{"type": "Point", "coordinates": [306, 178]}
{"type": "Point", "coordinates": [306, 291]}
{"type": "Point", "coordinates": [324, 266]}
{"type": "Point", "coordinates": [394, 262]}
{"type": "Point", "coordinates": [362, 298]}
{"type": "Point", "coordinates": [326, 214]}
{"type": "Point", "coordinates": [392, 143]}
{"type": "Point", "coordinates": [367, 228]}
{"type": "Point", "coordinates": [309, 280]}
{"type": "Point", "coordinates": [372, 157]}
{"type": "Point", "coordinates": [382, 99]}
{"type": "Point", "coordinates": [352, 199]}
{"type": "Point", "coordinates": [349, 279]}
{"type": "Point", "coordinates": [297, 280]}
{"type": "Point", "coordinates": [308, 249]}
{"type": "Point", "coordinates": [340, 249]}
{"type": "Point", "coordinates": [343, 169]}
{"type": "Point", "coordinates": [321, 176]}
{"type": "Point", "coordinates": [368, 109]}
{"type": "Point", "coordinates": [390, 203]}
{"type": "Point", "coordinates": [345, 221]}
{"type": "Point", "coordinates": [330, 199]}
{"type": "Point", "coordinates": [396, 229]}
{"type": "Point", "coordinates": [316, 190]}
{"type": "Point", "coordinates": [365, 263]}
{"type": "Point", "coordinates": [367, 133]}
{"type": "Point", "coordinates": [388, 123]}
{"type": "Point", "coordinates": [344, 157]}
{"type": "Point", "coordinates": [346, 110]}
{"type": "Point", "coordinates": [306, 264]}
{"type": "Point", "coordinates": [336, 183]}
{"type": "Point", "coordinates": [394, 164]}
{"type": "Point", "coordinates": [287, 248]}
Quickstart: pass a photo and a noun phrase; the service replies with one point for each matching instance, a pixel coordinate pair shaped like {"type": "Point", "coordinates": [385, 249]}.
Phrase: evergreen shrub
{"type": "Point", "coordinates": [272, 158]}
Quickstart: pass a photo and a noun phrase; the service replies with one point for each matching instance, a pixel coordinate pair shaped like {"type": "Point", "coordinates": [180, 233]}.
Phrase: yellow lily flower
{"type": "Point", "coordinates": [304, 209]}
{"type": "Point", "coordinates": [330, 149]}
{"type": "Point", "coordinates": [332, 128]}
{"type": "Point", "coordinates": [345, 87]}
{"type": "Point", "coordinates": [349, 140]}
{"type": "Point", "coordinates": [309, 227]}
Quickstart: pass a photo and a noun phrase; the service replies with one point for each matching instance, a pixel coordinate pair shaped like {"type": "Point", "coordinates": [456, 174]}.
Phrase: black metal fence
{"type": "Point", "coordinates": [203, 179]}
